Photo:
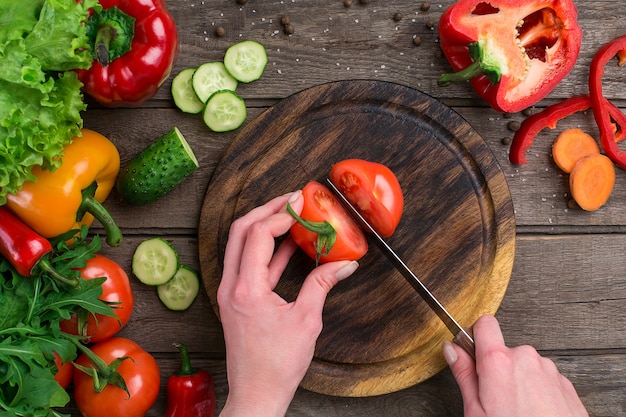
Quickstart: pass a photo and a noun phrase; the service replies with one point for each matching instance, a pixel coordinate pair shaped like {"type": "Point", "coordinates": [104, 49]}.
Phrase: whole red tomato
{"type": "Point", "coordinates": [140, 372]}
{"type": "Point", "coordinates": [373, 189]}
{"type": "Point", "coordinates": [64, 371]}
{"type": "Point", "coordinates": [320, 205]}
{"type": "Point", "coordinates": [116, 289]}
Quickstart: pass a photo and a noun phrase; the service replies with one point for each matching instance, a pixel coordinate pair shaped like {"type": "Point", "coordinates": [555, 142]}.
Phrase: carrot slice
{"type": "Point", "coordinates": [591, 181]}
{"type": "Point", "coordinates": [571, 146]}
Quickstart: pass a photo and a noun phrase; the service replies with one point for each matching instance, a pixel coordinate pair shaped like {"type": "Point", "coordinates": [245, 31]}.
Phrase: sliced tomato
{"type": "Point", "coordinates": [320, 205]}
{"type": "Point", "coordinates": [116, 290]}
{"type": "Point", "coordinates": [373, 189]}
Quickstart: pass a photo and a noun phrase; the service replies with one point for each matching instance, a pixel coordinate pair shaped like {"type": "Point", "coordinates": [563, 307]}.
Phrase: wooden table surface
{"type": "Point", "coordinates": [567, 290]}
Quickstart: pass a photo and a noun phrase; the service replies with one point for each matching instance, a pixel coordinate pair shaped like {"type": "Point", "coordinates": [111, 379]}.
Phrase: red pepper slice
{"type": "Point", "coordinates": [600, 104]}
{"type": "Point", "coordinates": [549, 117]}
{"type": "Point", "coordinates": [135, 43]}
{"type": "Point", "coordinates": [513, 52]}
{"type": "Point", "coordinates": [190, 391]}
{"type": "Point", "coordinates": [27, 251]}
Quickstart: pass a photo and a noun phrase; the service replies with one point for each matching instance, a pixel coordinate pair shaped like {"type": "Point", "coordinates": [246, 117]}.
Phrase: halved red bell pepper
{"type": "Point", "coordinates": [551, 115]}
{"type": "Point", "coordinates": [514, 52]}
{"type": "Point", "coordinates": [600, 105]}
{"type": "Point", "coordinates": [135, 45]}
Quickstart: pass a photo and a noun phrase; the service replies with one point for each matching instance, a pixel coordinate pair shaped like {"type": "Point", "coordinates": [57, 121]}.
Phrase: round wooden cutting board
{"type": "Point", "coordinates": [457, 232]}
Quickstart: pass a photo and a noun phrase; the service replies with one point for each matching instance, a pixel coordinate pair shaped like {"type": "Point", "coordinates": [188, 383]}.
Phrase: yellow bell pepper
{"type": "Point", "coordinates": [71, 196]}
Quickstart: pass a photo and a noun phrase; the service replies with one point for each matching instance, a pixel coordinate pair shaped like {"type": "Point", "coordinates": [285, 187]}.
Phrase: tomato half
{"type": "Point", "coordinates": [116, 289]}
{"type": "Point", "coordinates": [321, 205]}
{"type": "Point", "coordinates": [140, 371]}
{"type": "Point", "coordinates": [373, 189]}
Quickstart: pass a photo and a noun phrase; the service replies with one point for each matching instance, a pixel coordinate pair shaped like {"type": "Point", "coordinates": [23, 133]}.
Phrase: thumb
{"type": "Point", "coordinates": [319, 283]}
{"type": "Point", "coordinates": [463, 369]}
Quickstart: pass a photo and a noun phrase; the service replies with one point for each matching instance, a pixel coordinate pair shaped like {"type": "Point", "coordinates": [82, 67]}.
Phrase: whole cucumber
{"type": "Point", "coordinates": [157, 169]}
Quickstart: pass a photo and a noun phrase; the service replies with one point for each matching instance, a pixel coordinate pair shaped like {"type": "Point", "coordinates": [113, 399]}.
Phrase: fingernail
{"type": "Point", "coordinates": [294, 196]}
{"type": "Point", "coordinates": [449, 353]}
{"type": "Point", "coordinates": [346, 270]}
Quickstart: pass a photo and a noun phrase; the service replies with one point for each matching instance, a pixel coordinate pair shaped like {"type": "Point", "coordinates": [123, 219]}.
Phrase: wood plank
{"type": "Point", "coordinates": [332, 42]}
{"type": "Point", "coordinates": [567, 291]}
{"type": "Point", "coordinates": [556, 299]}
{"type": "Point", "coordinates": [599, 380]}
{"type": "Point", "coordinates": [539, 190]}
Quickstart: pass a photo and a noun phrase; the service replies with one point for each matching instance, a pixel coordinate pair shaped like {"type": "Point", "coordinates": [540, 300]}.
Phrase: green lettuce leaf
{"type": "Point", "coordinates": [41, 42]}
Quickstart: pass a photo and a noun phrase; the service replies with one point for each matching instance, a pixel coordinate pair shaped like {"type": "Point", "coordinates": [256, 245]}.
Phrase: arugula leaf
{"type": "Point", "coordinates": [31, 334]}
{"type": "Point", "coordinates": [41, 41]}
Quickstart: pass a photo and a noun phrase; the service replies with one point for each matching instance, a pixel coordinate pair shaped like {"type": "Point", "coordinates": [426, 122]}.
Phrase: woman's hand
{"type": "Point", "coordinates": [269, 342]}
{"type": "Point", "coordinates": [509, 382]}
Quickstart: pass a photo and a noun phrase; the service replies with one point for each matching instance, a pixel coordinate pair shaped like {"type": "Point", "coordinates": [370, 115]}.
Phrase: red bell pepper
{"type": "Point", "coordinates": [600, 104]}
{"type": "Point", "coordinates": [190, 391]}
{"type": "Point", "coordinates": [135, 45]}
{"type": "Point", "coordinates": [550, 116]}
{"type": "Point", "coordinates": [27, 251]}
{"type": "Point", "coordinates": [514, 53]}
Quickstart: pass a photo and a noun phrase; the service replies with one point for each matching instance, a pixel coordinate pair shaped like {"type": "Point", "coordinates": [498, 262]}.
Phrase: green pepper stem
{"type": "Point", "coordinates": [92, 206]}
{"type": "Point", "coordinates": [103, 40]}
{"type": "Point", "coordinates": [185, 365]}
{"type": "Point", "coordinates": [110, 34]}
{"type": "Point", "coordinates": [467, 73]}
{"type": "Point", "coordinates": [481, 66]}
{"type": "Point", "coordinates": [45, 265]}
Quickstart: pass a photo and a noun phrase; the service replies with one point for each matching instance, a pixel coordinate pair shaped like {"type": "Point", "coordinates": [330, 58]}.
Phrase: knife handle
{"type": "Point", "coordinates": [465, 339]}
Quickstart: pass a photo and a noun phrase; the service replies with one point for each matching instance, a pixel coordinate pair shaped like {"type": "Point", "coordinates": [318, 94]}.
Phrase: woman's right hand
{"type": "Point", "coordinates": [509, 382]}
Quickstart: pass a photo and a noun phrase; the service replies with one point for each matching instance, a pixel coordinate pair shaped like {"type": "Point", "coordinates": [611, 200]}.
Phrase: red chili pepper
{"type": "Point", "coordinates": [27, 251]}
{"type": "Point", "coordinates": [510, 66]}
{"type": "Point", "coordinates": [190, 391]}
{"type": "Point", "coordinates": [599, 103]}
{"type": "Point", "coordinates": [135, 43]}
{"type": "Point", "coordinates": [550, 116]}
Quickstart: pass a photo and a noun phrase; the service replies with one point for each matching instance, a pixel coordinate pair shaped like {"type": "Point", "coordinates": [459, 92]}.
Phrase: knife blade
{"type": "Point", "coordinates": [462, 337]}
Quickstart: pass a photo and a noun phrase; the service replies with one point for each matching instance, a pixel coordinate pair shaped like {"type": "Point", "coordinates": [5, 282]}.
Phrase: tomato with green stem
{"type": "Point", "coordinates": [373, 189]}
{"type": "Point", "coordinates": [324, 229]}
{"type": "Point", "coordinates": [116, 290]}
{"type": "Point", "coordinates": [116, 378]}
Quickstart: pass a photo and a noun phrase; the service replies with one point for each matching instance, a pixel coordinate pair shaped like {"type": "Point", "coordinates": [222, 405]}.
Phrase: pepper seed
{"type": "Point", "coordinates": [425, 7]}
{"type": "Point", "coordinates": [397, 17]}
{"type": "Point", "coordinates": [220, 31]}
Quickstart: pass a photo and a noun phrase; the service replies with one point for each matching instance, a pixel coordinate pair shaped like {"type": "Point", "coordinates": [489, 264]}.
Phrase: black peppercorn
{"type": "Point", "coordinates": [513, 125]}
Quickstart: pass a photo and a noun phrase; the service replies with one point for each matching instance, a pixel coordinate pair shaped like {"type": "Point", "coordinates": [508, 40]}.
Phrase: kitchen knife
{"type": "Point", "coordinates": [462, 337]}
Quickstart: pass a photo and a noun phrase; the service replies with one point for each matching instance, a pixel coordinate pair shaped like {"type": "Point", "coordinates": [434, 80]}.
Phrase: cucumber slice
{"type": "Point", "coordinates": [157, 169]}
{"type": "Point", "coordinates": [181, 291]}
{"type": "Point", "coordinates": [211, 77]}
{"type": "Point", "coordinates": [246, 61]}
{"type": "Point", "coordinates": [155, 261]}
{"type": "Point", "coordinates": [225, 111]}
{"type": "Point", "coordinates": [183, 94]}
